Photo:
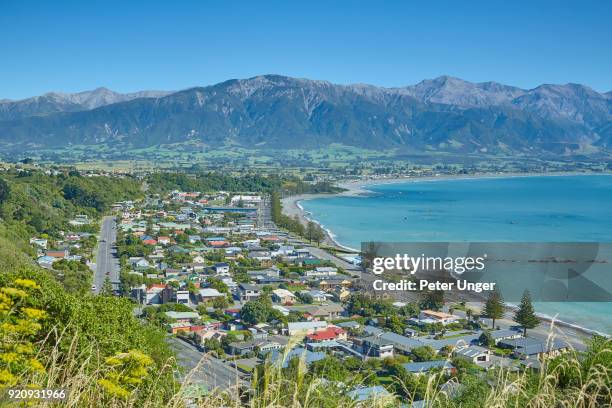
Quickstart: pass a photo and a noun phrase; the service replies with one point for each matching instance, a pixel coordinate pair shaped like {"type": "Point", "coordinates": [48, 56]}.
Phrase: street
{"type": "Point", "coordinates": [202, 368]}
{"type": "Point", "coordinates": [106, 259]}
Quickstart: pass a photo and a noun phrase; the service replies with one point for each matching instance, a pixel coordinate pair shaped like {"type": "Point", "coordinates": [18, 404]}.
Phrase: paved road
{"type": "Point", "coordinates": [339, 262]}
{"type": "Point", "coordinates": [106, 259]}
{"type": "Point", "coordinates": [203, 369]}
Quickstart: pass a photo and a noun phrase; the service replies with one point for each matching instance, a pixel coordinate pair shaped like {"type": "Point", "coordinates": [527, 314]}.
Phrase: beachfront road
{"type": "Point", "coordinates": [205, 369]}
{"type": "Point", "coordinates": [107, 262]}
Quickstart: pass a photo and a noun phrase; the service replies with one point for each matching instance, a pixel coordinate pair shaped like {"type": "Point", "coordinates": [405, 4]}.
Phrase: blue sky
{"type": "Point", "coordinates": [133, 45]}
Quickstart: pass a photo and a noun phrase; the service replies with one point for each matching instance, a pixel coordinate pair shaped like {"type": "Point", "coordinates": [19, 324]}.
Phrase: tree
{"type": "Point", "coordinates": [423, 353]}
{"type": "Point", "coordinates": [395, 324]}
{"type": "Point", "coordinates": [220, 302]}
{"type": "Point", "coordinates": [525, 315]}
{"type": "Point", "coordinates": [4, 190]}
{"type": "Point", "coordinates": [494, 307]}
{"type": "Point", "coordinates": [486, 339]}
{"type": "Point", "coordinates": [254, 312]}
{"type": "Point", "coordinates": [107, 288]}
{"type": "Point", "coordinates": [319, 234]}
{"type": "Point", "coordinates": [310, 230]}
{"type": "Point", "coordinates": [433, 300]}
{"type": "Point", "coordinates": [305, 297]}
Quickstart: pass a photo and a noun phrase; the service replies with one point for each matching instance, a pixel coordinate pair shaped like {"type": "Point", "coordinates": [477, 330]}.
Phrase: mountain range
{"type": "Point", "coordinates": [444, 114]}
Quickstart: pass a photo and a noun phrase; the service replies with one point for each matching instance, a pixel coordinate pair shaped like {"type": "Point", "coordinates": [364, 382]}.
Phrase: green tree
{"type": "Point", "coordinates": [107, 288]}
{"type": "Point", "coordinates": [311, 231]}
{"type": "Point", "coordinates": [525, 315]}
{"type": "Point", "coordinates": [423, 353]}
{"type": "Point", "coordinates": [432, 300]}
{"type": "Point", "coordinates": [254, 312]}
{"type": "Point", "coordinates": [494, 306]}
{"type": "Point", "coordinates": [4, 190]}
{"type": "Point", "coordinates": [486, 339]}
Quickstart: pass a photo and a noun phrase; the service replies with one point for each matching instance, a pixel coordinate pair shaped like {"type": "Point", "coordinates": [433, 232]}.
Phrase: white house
{"type": "Point", "coordinates": [182, 296]}
{"type": "Point", "coordinates": [283, 296]}
{"type": "Point", "coordinates": [39, 242]}
{"type": "Point", "coordinates": [221, 268]}
{"type": "Point", "coordinates": [431, 316]}
{"type": "Point", "coordinates": [251, 199]}
{"type": "Point", "coordinates": [294, 328]}
{"type": "Point", "coordinates": [209, 294]}
{"type": "Point", "coordinates": [474, 354]}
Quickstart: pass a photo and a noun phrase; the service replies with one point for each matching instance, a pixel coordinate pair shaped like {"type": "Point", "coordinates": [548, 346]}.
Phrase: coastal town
{"type": "Point", "coordinates": [235, 291]}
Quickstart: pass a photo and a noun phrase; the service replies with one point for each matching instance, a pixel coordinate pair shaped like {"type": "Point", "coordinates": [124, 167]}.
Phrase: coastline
{"type": "Point", "coordinates": [292, 207]}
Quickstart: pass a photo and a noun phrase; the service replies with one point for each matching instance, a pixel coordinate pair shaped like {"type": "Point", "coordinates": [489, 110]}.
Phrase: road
{"type": "Point", "coordinates": [204, 369]}
{"type": "Point", "coordinates": [106, 259]}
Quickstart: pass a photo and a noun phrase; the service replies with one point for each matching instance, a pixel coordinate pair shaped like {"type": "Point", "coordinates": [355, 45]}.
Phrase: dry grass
{"type": "Point", "coordinates": [78, 372]}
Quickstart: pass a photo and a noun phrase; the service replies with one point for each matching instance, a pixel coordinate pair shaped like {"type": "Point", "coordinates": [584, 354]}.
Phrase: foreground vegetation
{"type": "Point", "coordinates": [96, 349]}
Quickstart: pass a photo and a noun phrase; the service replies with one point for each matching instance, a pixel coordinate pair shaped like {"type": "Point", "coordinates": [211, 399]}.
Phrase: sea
{"type": "Point", "coordinates": [568, 208]}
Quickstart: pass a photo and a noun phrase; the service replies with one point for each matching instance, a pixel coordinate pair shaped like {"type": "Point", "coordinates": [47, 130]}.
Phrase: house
{"type": "Point", "coordinates": [330, 333]}
{"type": "Point", "coordinates": [349, 325]}
{"type": "Point", "coordinates": [329, 312]}
{"type": "Point", "coordinates": [154, 294]}
{"type": "Point", "coordinates": [283, 296]}
{"type": "Point", "coordinates": [528, 347]}
{"type": "Point", "coordinates": [431, 316]}
{"type": "Point", "coordinates": [221, 268]}
{"type": "Point", "coordinates": [262, 345]}
{"type": "Point", "coordinates": [329, 284]}
{"type": "Point", "coordinates": [317, 312]}
{"type": "Point", "coordinates": [204, 335]}
{"type": "Point", "coordinates": [374, 346]}
{"type": "Point", "coordinates": [172, 273]}
{"type": "Point", "coordinates": [248, 292]}
{"type": "Point", "coordinates": [322, 271]}
{"type": "Point", "coordinates": [199, 259]}
{"type": "Point", "coordinates": [260, 256]}
{"type": "Point", "coordinates": [425, 366]}
{"type": "Point", "coordinates": [309, 357]}
{"type": "Point", "coordinates": [505, 334]}
{"type": "Point", "coordinates": [317, 295]}
{"type": "Point", "coordinates": [294, 328]}
{"type": "Point", "coordinates": [209, 294]}
{"type": "Point", "coordinates": [41, 242]}
{"type": "Point", "coordinates": [179, 327]}
{"type": "Point", "coordinates": [473, 354]}
{"type": "Point", "coordinates": [58, 253]}
{"type": "Point", "coordinates": [194, 238]}
{"type": "Point", "coordinates": [281, 309]}
{"type": "Point", "coordinates": [182, 316]}
{"type": "Point", "coordinates": [230, 283]}
{"type": "Point", "coordinates": [182, 297]}
{"type": "Point", "coordinates": [163, 240]}
{"type": "Point", "coordinates": [401, 343]}
{"type": "Point", "coordinates": [46, 261]}
{"type": "Point", "coordinates": [377, 392]}
{"type": "Point", "coordinates": [139, 263]}
{"type": "Point", "coordinates": [247, 199]}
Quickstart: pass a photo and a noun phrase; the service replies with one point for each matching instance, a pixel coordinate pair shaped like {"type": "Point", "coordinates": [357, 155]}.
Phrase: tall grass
{"type": "Point", "coordinates": [574, 380]}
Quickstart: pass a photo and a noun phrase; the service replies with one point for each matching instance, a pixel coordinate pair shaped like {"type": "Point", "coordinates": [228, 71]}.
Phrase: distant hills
{"type": "Point", "coordinates": [444, 114]}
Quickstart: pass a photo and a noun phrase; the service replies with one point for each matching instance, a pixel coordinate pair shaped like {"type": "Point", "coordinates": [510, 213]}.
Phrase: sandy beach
{"type": "Point", "coordinates": [291, 206]}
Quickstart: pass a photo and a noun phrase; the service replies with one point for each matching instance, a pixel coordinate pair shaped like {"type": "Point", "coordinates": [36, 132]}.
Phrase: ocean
{"type": "Point", "coordinates": [512, 209]}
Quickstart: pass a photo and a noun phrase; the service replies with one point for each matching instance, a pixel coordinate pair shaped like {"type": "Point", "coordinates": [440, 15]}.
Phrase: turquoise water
{"type": "Point", "coordinates": [538, 208]}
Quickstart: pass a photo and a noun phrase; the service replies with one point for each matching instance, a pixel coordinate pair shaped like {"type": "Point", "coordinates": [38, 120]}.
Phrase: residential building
{"type": "Point", "coordinates": [248, 292]}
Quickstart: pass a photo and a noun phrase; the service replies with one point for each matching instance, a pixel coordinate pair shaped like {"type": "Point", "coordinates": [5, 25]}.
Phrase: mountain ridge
{"type": "Point", "coordinates": [275, 111]}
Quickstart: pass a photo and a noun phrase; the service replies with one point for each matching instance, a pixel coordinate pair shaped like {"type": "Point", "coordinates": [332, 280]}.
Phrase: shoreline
{"type": "Point", "coordinates": [292, 207]}
{"type": "Point", "coordinates": [354, 188]}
